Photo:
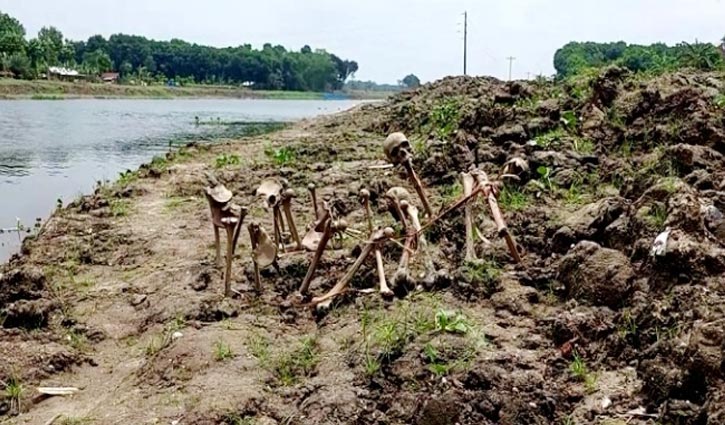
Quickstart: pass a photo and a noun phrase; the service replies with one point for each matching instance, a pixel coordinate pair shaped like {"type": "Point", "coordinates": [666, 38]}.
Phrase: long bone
{"type": "Point", "coordinates": [311, 188]}
{"type": "Point", "coordinates": [264, 251]}
{"type": "Point", "coordinates": [398, 150]}
{"type": "Point", "coordinates": [422, 243]}
{"type": "Point", "coordinates": [384, 288]}
{"type": "Point", "coordinates": [490, 194]}
{"type": "Point", "coordinates": [468, 182]}
{"type": "Point", "coordinates": [271, 192]}
{"type": "Point", "coordinates": [394, 195]}
{"type": "Point", "coordinates": [223, 216]}
{"type": "Point", "coordinates": [402, 275]}
{"type": "Point", "coordinates": [379, 237]}
{"type": "Point", "coordinates": [287, 196]}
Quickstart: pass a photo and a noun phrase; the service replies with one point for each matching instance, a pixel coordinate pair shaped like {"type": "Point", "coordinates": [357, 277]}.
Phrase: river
{"type": "Point", "coordinates": [52, 150]}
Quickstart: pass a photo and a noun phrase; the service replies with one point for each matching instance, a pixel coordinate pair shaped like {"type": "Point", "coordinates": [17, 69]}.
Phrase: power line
{"type": "Point", "coordinates": [511, 60]}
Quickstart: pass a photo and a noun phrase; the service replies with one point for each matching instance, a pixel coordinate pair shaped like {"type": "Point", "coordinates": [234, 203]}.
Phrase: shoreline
{"type": "Point", "coordinates": [11, 89]}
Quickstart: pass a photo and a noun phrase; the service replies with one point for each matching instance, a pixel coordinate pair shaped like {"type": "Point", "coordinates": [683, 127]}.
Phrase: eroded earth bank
{"type": "Point", "coordinates": [119, 295]}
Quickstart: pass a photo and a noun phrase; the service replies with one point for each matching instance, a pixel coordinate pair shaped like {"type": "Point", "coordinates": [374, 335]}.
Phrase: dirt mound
{"type": "Point", "coordinates": [615, 315]}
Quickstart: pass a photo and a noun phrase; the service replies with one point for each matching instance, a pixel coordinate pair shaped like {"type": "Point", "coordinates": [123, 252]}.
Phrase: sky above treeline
{"type": "Point", "coordinates": [391, 38]}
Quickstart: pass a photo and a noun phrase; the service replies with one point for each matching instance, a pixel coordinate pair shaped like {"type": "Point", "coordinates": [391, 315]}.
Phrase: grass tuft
{"type": "Point", "coordinates": [222, 351]}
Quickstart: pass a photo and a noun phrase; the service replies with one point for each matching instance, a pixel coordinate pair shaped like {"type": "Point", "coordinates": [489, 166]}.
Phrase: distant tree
{"type": "Point", "coordinates": [306, 50]}
{"type": "Point", "coordinates": [12, 36]}
{"type": "Point", "coordinates": [52, 41]}
{"type": "Point", "coordinates": [19, 64]}
{"type": "Point", "coordinates": [97, 61]}
{"type": "Point", "coordinates": [411, 81]}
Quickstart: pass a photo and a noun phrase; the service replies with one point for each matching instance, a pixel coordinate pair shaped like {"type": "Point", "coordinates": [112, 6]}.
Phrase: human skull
{"type": "Point", "coordinates": [397, 148]}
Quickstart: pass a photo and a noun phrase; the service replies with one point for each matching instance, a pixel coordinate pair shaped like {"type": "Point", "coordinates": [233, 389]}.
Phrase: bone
{"type": "Point", "coordinates": [384, 288]}
{"type": "Point", "coordinates": [468, 182]}
{"type": "Point", "coordinates": [408, 164]}
{"type": "Point", "coordinates": [365, 200]}
{"type": "Point", "coordinates": [253, 237]}
{"type": "Point", "coordinates": [412, 212]}
{"type": "Point", "coordinates": [242, 215]}
{"type": "Point", "coordinates": [312, 189]}
{"type": "Point", "coordinates": [378, 237]}
{"type": "Point", "coordinates": [490, 195]}
{"type": "Point", "coordinates": [321, 245]}
{"type": "Point", "coordinates": [278, 222]}
{"type": "Point", "coordinates": [217, 246]}
{"type": "Point", "coordinates": [287, 207]}
{"type": "Point", "coordinates": [270, 191]}
{"type": "Point", "coordinates": [230, 224]}
{"type": "Point", "coordinates": [394, 196]}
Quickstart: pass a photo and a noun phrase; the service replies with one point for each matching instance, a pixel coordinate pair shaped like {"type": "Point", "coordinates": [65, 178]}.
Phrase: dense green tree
{"type": "Point", "coordinates": [140, 59]}
{"type": "Point", "coordinates": [12, 36]}
{"type": "Point", "coordinates": [411, 81]}
{"type": "Point", "coordinates": [576, 57]}
{"type": "Point", "coordinates": [96, 62]}
{"type": "Point", "coordinates": [52, 41]}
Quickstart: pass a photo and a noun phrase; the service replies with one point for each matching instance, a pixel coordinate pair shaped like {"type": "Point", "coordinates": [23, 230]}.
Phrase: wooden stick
{"type": "Point", "coordinates": [313, 195]}
{"type": "Point", "coordinates": [238, 229]}
{"type": "Point", "coordinates": [497, 216]}
{"type": "Point", "coordinates": [287, 207]}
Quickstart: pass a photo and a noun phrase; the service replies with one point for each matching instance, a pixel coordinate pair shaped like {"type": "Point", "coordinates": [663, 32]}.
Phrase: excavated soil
{"type": "Point", "coordinates": [119, 295]}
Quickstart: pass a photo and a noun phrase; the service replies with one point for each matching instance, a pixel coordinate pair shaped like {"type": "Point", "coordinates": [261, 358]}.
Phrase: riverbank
{"type": "Point", "coordinates": [119, 295]}
{"type": "Point", "coordinates": [59, 90]}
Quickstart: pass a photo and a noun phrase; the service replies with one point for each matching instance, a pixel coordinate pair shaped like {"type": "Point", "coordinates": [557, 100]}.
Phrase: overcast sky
{"type": "Point", "coordinates": [391, 38]}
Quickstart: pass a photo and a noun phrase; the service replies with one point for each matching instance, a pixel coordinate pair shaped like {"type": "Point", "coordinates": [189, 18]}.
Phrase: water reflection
{"type": "Point", "coordinates": [59, 149]}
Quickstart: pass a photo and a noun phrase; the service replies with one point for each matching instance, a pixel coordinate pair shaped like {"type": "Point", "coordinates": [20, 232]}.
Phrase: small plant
{"type": "Point", "coordinates": [280, 156]}
{"type": "Point", "coordinates": [390, 338]}
{"type": "Point", "coordinates": [74, 420]}
{"type": "Point", "coordinates": [451, 192]}
{"type": "Point", "coordinates": [237, 419]}
{"type": "Point", "coordinates": [451, 322]}
{"type": "Point", "coordinates": [627, 148]}
{"type": "Point", "coordinates": [444, 118]}
{"type": "Point", "coordinates": [297, 363]}
{"type": "Point", "coordinates": [584, 146]}
{"type": "Point", "coordinates": [225, 160]}
{"type": "Point", "coordinates": [545, 177]}
{"type": "Point", "coordinates": [258, 347]}
{"type": "Point", "coordinates": [512, 198]}
{"type": "Point", "coordinates": [720, 101]}
{"type": "Point", "coordinates": [657, 215]}
{"type": "Point", "coordinates": [159, 163]}
{"type": "Point", "coordinates": [574, 195]}
{"type": "Point", "coordinates": [628, 326]}
{"type": "Point", "coordinates": [482, 272]}
{"type": "Point", "coordinates": [569, 120]}
{"type": "Point", "coordinates": [580, 371]}
{"type": "Point", "coordinates": [14, 391]}
{"type": "Point", "coordinates": [119, 207]}
{"type": "Point", "coordinates": [127, 177]}
{"type": "Point", "coordinates": [551, 139]}
{"type": "Point", "coordinates": [222, 351]}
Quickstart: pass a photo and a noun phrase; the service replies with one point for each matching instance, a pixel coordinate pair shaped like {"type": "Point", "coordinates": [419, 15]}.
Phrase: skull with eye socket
{"type": "Point", "coordinates": [397, 148]}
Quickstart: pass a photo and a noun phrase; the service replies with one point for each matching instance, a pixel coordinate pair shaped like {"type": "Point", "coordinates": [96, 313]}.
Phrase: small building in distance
{"type": "Point", "coordinates": [110, 77]}
{"type": "Point", "coordinates": [64, 74]}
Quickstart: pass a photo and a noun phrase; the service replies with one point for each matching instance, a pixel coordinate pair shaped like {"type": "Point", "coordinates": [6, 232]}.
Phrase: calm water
{"type": "Point", "coordinates": [59, 149]}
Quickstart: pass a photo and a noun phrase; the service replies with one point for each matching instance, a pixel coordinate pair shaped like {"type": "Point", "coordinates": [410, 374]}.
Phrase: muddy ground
{"type": "Point", "coordinates": [119, 295]}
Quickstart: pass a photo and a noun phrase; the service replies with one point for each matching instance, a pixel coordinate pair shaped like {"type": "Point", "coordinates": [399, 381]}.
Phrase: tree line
{"type": "Point", "coordinates": [576, 57]}
{"type": "Point", "coordinates": [140, 59]}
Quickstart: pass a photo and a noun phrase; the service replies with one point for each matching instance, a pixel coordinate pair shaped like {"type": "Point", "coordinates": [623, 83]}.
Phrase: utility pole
{"type": "Point", "coordinates": [465, 43]}
{"type": "Point", "coordinates": [511, 60]}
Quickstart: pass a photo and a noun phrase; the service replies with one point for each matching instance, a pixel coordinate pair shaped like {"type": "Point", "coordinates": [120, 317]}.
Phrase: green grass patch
{"type": "Point", "coordinates": [280, 156]}
{"type": "Point", "coordinates": [581, 372]}
{"type": "Point", "coordinates": [13, 390]}
{"type": "Point", "coordinates": [291, 366]}
{"type": "Point", "coordinates": [119, 207]}
{"type": "Point", "coordinates": [222, 351]}
{"type": "Point", "coordinates": [444, 116]}
{"type": "Point", "coordinates": [511, 198]}
{"type": "Point", "coordinates": [551, 140]}
{"type": "Point", "coordinates": [584, 146]}
{"type": "Point", "coordinates": [225, 160]}
{"type": "Point", "coordinates": [482, 273]}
